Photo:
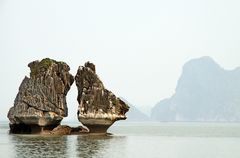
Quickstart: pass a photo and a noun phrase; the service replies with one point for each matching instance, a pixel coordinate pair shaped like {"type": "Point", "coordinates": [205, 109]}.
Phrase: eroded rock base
{"type": "Point", "coordinates": [29, 129]}
{"type": "Point", "coordinates": [99, 125]}
{"type": "Point", "coordinates": [47, 130]}
{"type": "Point", "coordinates": [98, 128]}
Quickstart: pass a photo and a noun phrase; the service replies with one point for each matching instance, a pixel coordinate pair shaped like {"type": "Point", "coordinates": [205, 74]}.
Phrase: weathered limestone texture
{"type": "Point", "coordinates": [41, 101]}
{"type": "Point", "coordinates": [98, 107]}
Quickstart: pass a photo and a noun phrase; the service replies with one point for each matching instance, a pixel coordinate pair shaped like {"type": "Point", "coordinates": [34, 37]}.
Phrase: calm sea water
{"type": "Point", "coordinates": [129, 140]}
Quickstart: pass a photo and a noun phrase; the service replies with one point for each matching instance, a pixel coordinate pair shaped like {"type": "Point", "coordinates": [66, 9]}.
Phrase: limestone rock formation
{"type": "Point", "coordinates": [41, 100]}
{"type": "Point", "coordinates": [98, 107]}
{"type": "Point", "coordinates": [205, 92]}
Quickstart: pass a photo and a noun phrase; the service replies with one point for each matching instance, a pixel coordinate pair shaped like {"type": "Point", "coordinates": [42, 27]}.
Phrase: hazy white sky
{"type": "Point", "coordinates": [138, 46]}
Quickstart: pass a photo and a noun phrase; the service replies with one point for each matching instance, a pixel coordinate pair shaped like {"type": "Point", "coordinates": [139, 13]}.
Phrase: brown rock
{"type": "Point", "coordinates": [67, 130]}
{"type": "Point", "coordinates": [61, 130]}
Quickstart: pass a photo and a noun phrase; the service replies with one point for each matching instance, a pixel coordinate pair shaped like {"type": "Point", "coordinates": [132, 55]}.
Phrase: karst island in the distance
{"type": "Point", "coordinates": [40, 104]}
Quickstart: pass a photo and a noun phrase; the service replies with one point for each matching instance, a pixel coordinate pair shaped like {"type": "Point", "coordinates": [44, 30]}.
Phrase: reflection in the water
{"type": "Point", "coordinates": [91, 146]}
{"type": "Point", "coordinates": [84, 146]}
{"type": "Point", "coordinates": [175, 140]}
{"type": "Point", "coordinates": [39, 146]}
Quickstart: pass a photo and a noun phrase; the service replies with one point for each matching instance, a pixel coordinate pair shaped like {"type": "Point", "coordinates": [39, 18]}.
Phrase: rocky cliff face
{"type": "Point", "coordinates": [98, 107]}
{"type": "Point", "coordinates": [205, 92]}
{"type": "Point", "coordinates": [41, 100]}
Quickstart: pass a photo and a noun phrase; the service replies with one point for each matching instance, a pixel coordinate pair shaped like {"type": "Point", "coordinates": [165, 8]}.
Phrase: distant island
{"type": "Point", "coordinates": [134, 114]}
{"type": "Point", "coordinates": [205, 92]}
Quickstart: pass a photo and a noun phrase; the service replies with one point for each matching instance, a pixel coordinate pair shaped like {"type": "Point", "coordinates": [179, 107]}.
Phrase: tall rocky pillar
{"type": "Point", "coordinates": [98, 107]}
{"type": "Point", "coordinates": [41, 101]}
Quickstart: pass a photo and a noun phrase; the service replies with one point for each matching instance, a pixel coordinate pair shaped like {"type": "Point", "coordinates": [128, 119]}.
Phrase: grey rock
{"type": "Point", "coordinates": [98, 108]}
{"type": "Point", "coordinates": [41, 99]}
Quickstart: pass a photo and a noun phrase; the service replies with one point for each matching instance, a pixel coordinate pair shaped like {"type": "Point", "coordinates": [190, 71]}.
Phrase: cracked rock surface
{"type": "Point", "coordinates": [98, 108]}
{"type": "Point", "coordinates": [41, 100]}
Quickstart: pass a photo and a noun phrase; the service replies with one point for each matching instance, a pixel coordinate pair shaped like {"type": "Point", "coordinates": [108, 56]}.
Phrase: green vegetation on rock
{"type": "Point", "coordinates": [42, 66]}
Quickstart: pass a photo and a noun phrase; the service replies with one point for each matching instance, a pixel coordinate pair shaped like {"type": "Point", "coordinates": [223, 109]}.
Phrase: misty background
{"type": "Point", "coordinates": [138, 46]}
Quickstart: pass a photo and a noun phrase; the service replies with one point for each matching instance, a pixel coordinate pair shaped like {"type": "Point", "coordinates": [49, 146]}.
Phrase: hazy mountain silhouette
{"type": "Point", "coordinates": [134, 114]}
{"type": "Point", "coordinates": [205, 92]}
